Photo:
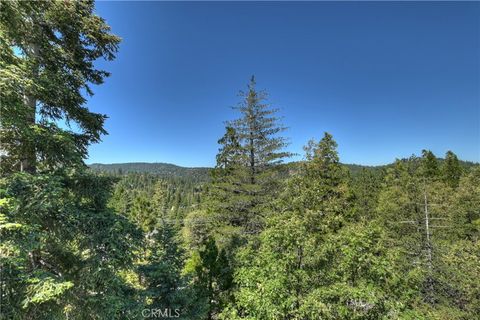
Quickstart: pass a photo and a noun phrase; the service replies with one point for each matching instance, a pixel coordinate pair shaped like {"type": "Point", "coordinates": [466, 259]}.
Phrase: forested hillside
{"type": "Point", "coordinates": [202, 174]}
{"type": "Point", "coordinates": [256, 239]}
{"type": "Point", "coordinates": [165, 170]}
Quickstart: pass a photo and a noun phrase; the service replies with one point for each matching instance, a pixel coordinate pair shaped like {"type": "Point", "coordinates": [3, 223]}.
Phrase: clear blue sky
{"type": "Point", "coordinates": [386, 79]}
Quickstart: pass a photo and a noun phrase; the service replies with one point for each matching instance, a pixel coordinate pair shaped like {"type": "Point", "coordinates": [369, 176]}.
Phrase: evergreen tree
{"type": "Point", "coordinates": [322, 190]}
{"type": "Point", "coordinates": [161, 274]}
{"type": "Point", "coordinates": [245, 181]}
{"type": "Point", "coordinates": [429, 164]}
{"type": "Point", "coordinates": [227, 200]}
{"type": "Point", "coordinates": [451, 169]}
{"type": "Point", "coordinates": [425, 223]}
{"type": "Point", "coordinates": [64, 246]}
{"type": "Point", "coordinates": [143, 213]}
{"type": "Point", "coordinates": [213, 274]}
{"type": "Point", "coordinates": [465, 213]}
{"type": "Point", "coordinates": [258, 132]}
{"type": "Point", "coordinates": [313, 261]}
{"type": "Point", "coordinates": [267, 241]}
{"type": "Point", "coordinates": [66, 249]}
{"type": "Point", "coordinates": [230, 154]}
{"type": "Point", "coordinates": [366, 186]}
{"type": "Point", "coordinates": [47, 62]}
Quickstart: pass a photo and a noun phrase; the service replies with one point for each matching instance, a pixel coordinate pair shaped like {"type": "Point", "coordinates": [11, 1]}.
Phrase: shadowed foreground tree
{"type": "Point", "coordinates": [47, 67]}
{"type": "Point", "coordinates": [61, 247]}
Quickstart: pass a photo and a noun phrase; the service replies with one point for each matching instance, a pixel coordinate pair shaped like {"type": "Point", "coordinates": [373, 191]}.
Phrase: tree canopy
{"type": "Point", "coordinates": [252, 238]}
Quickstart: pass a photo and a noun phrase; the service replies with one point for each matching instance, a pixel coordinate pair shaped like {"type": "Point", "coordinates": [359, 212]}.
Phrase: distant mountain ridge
{"type": "Point", "coordinates": [202, 173]}
{"type": "Point", "coordinates": [158, 168]}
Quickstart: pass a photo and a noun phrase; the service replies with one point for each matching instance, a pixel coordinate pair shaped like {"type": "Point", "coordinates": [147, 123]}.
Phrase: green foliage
{"type": "Point", "coordinates": [47, 62]}
{"type": "Point", "coordinates": [320, 191]}
{"type": "Point", "coordinates": [244, 180]}
{"type": "Point", "coordinates": [213, 276]}
{"type": "Point", "coordinates": [44, 290]}
{"type": "Point", "coordinates": [252, 238]}
{"type": "Point", "coordinates": [175, 197]}
{"type": "Point", "coordinates": [429, 166]}
{"type": "Point", "coordinates": [428, 224]}
{"type": "Point", "coordinates": [162, 170]}
{"type": "Point", "coordinates": [314, 261]}
{"type": "Point", "coordinates": [161, 274]}
{"type": "Point", "coordinates": [61, 246]}
{"type": "Point", "coordinates": [365, 187]}
{"type": "Point", "coordinates": [452, 171]}
{"type": "Point", "coordinates": [65, 245]}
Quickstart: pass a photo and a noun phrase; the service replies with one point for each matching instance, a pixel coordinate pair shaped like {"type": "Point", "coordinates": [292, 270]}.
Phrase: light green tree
{"type": "Point", "coordinates": [314, 260]}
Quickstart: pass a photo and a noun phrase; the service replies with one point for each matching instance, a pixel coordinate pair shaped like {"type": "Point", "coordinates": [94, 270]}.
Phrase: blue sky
{"type": "Point", "coordinates": [387, 79]}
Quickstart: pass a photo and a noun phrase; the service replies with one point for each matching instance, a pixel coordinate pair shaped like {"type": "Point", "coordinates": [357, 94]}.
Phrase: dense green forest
{"type": "Point", "coordinates": [201, 175]}
{"type": "Point", "coordinates": [255, 237]}
{"type": "Point", "coordinates": [165, 170]}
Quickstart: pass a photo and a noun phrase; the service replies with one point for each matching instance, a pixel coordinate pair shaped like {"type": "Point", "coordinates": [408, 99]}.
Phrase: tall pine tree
{"type": "Point", "coordinates": [252, 147]}
{"type": "Point", "coordinates": [451, 169]}
{"type": "Point", "coordinates": [63, 248]}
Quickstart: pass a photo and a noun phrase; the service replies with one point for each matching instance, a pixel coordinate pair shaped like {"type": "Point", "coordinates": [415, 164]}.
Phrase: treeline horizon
{"type": "Point", "coordinates": [124, 167]}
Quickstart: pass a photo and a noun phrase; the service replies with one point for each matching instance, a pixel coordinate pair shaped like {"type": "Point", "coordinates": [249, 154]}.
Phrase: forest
{"type": "Point", "coordinates": [256, 237]}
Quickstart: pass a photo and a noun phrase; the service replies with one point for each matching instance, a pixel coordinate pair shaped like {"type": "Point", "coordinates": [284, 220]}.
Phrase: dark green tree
{"type": "Point", "coordinates": [228, 202]}
{"type": "Point", "coordinates": [161, 275]}
{"type": "Point", "coordinates": [322, 188]}
{"type": "Point", "coordinates": [451, 169]}
{"type": "Point", "coordinates": [47, 64]}
{"type": "Point", "coordinates": [245, 179]}
{"type": "Point", "coordinates": [428, 224]}
{"type": "Point", "coordinates": [230, 154]}
{"type": "Point", "coordinates": [214, 278]}
{"type": "Point", "coordinates": [142, 213]}
{"type": "Point", "coordinates": [66, 249]}
{"type": "Point", "coordinates": [257, 130]}
{"type": "Point", "coordinates": [65, 246]}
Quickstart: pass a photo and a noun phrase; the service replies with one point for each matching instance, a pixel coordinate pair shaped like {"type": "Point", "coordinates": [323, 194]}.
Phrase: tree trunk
{"type": "Point", "coordinates": [252, 161]}
{"type": "Point", "coordinates": [430, 283]}
{"type": "Point", "coordinates": [28, 160]}
{"type": "Point", "coordinates": [29, 156]}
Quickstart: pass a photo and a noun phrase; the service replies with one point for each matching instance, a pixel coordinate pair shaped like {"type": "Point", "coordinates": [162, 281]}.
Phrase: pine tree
{"type": "Point", "coordinates": [214, 276]}
{"type": "Point", "coordinates": [451, 169]}
{"type": "Point", "coordinates": [464, 212]}
{"type": "Point", "coordinates": [429, 164]}
{"type": "Point", "coordinates": [313, 261]}
{"type": "Point", "coordinates": [245, 178]}
{"type": "Point", "coordinates": [143, 213]}
{"type": "Point", "coordinates": [366, 186]}
{"type": "Point", "coordinates": [66, 246]}
{"type": "Point", "coordinates": [47, 62]}
{"type": "Point", "coordinates": [230, 154]}
{"type": "Point", "coordinates": [257, 130]}
{"type": "Point", "coordinates": [162, 273]}
{"type": "Point", "coordinates": [425, 224]}
{"type": "Point", "coordinates": [323, 187]}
